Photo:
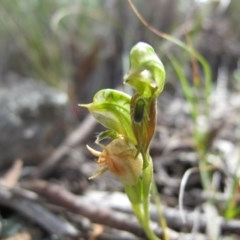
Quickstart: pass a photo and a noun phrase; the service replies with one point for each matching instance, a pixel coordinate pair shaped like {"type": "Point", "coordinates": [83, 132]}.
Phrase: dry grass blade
{"type": "Point", "coordinates": [20, 236]}
{"type": "Point", "coordinates": [12, 176]}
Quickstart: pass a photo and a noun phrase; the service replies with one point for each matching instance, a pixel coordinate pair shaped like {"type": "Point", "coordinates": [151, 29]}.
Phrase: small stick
{"type": "Point", "coordinates": [36, 213]}
{"type": "Point", "coordinates": [99, 207]}
{"type": "Point", "coordinates": [76, 137]}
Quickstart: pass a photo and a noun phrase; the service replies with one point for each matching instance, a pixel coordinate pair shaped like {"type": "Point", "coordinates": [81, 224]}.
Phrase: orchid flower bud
{"type": "Point", "coordinates": [146, 73]}
{"type": "Point", "coordinates": [121, 159]}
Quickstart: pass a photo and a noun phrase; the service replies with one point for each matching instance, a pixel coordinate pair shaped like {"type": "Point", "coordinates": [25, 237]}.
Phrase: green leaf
{"type": "Point", "coordinates": [111, 108]}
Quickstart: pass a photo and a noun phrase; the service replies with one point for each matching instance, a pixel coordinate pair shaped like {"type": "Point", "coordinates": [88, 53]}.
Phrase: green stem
{"type": "Point", "coordinates": [204, 173]}
{"type": "Point", "coordinates": [138, 212]}
{"type": "Point", "coordinates": [150, 234]}
{"type": "Point", "coordinates": [139, 199]}
{"type": "Point", "coordinates": [162, 219]}
{"type": "Point", "coordinates": [147, 179]}
{"type": "Point", "coordinates": [203, 163]}
{"type": "Point", "coordinates": [145, 223]}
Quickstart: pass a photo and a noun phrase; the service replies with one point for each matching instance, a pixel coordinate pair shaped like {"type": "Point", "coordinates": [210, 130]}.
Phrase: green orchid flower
{"type": "Point", "coordinates": [147, 76]}
{"type": "Point", "coordinates": [130, 123]}
{"type": "Point", "coordinates": [111, 108]}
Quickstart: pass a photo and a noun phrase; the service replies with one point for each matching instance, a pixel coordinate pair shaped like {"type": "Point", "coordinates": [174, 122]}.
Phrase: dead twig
{"type": "Point", "coordinates": [12, 176]}
{"type": "Point", "coordinates": [75, 138]}
{"type": "Point", "coordinates": [36, 213]}
{"type": "Point", "coordinates": [94, 211]}
{"type": "Point", "coordinates": [101, 207]}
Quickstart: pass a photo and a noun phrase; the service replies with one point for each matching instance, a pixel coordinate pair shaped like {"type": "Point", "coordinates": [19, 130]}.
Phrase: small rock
{"type": "Point", "coordinates": [32, 119]}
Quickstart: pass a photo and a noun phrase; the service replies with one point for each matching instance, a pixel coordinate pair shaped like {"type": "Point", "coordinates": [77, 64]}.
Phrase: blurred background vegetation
{"type": "Point", "coordinates": [81, 46]}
